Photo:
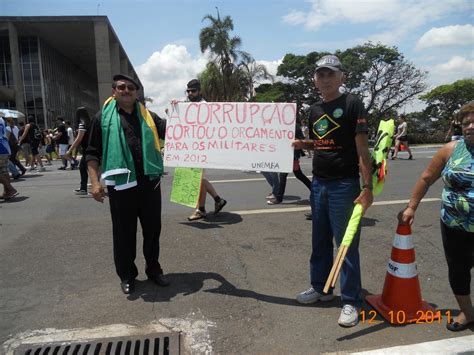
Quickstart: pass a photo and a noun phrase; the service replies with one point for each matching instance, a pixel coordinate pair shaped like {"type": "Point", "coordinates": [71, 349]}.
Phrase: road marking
{"type": "Point", "coordinates": [247, 180]}
{"type": "Point", "coordinates": [307, 208]}
{"type": "Point", "coordinates": [456, 345]}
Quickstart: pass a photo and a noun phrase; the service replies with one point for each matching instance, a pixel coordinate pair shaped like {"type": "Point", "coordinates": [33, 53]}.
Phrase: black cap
{"type": "Point", "coordinates": [194, 84]}
{"type": "Point", "coordinates": [126, 77]}
{"type": "Point", "coordinates": [329, 61]}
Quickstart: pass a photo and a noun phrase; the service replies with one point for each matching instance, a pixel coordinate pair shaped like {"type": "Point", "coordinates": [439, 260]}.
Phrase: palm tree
{"type": "Point", "coordinates": [253, 73]}
{"type": "Point", "coordinates": [223, 48]}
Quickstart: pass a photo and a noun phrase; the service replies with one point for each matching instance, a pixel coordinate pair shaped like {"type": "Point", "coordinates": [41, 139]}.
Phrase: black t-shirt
{"type": "Point", "coordinates": [64, 139]}
{"type": "Point", "coordinates": [84, 127]}
{"type": "Point", "coordinates": [333, 126]}
{"type": "Point", "coordinates": [133, 136]}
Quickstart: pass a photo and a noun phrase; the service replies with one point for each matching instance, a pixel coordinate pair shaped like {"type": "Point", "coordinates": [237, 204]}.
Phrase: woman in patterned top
{"type": "Point", "coordinates": [454, 162]}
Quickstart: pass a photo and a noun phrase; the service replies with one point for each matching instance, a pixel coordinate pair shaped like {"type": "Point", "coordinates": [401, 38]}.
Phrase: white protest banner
{"type": "Point", "coordinates": [231, 135]}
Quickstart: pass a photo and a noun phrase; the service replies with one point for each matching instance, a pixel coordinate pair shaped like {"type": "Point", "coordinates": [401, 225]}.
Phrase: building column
{"type": "Point", "coordinates": [103, 64]}
{"type": "Point", "coordinates": [115, 57]}
{"type": "Point", "coordinates": [16, 68]}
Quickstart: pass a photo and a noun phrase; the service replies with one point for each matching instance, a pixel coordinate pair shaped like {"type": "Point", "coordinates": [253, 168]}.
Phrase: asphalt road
{"type": "Point", "coordinates": [234, 276]}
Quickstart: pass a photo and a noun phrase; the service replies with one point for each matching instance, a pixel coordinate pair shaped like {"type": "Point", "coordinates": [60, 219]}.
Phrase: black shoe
{"type": "Point", "coordinates": [160, 280]}
{"type": "Point", "coordinates": [62, 168]}
{"type": "Point", "coordinates": [127, 286]}
{"type": "Point", "coordinates": [457, 327]}
{"type": "Point", "coordinates": [308, 216]}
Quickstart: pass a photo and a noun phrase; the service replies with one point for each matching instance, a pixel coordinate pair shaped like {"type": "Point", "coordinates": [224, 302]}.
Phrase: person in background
{"type": "Point", "coordinates": [12, 136]}
{"type": "Point", "coordinates": [82, 139]}
{"type": "Point", "coordinates": [455, 130]}
{"type": "Point", "coordinates": [33, 135]}
{"type": "Point", "coordinates": [8, 190]}
{"type": "Point", "coordinates": [25, 146]}
{"type": "Point", "coordinates": [296, 170]}
{"type": "Point", "coordinates": [62, 140]}
{"type": "Point", "coordinates": [401, 137]}
{"type": "Point", "coordinates": [454, 163]}
{"type": "Point", "coordinates": [193, 92]}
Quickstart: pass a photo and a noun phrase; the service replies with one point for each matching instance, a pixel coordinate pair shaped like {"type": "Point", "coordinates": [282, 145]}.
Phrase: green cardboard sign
{"type": "Point", "coordinates": [186, 186]}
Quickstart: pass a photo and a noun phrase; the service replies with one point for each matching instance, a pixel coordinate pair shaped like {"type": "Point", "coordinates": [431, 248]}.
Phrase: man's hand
{"type": "Point", "coordinates": [298, 144]}
{"type": "Point", "coordinates": [97, 192]}
{"type": "Point", "coordinates": [365, 198]}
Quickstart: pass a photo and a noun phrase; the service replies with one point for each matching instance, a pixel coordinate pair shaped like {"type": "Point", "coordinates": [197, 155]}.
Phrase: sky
{"type": "Point", "coordinates": [161, 37]}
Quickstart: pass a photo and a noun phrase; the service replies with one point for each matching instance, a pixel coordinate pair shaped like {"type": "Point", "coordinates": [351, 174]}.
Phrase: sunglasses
{"type": "Point", "coordinates": [191, 91]}
{"type": "Point", "coordinates": [130, 87]}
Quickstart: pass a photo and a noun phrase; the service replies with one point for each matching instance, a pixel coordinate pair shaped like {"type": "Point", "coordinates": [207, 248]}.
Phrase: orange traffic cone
{"type": "Point", "coordinates": [401, 301]}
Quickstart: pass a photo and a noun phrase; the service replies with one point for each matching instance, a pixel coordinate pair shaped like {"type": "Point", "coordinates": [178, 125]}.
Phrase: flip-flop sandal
{"type": "Point", "coordinates": [10, 196]}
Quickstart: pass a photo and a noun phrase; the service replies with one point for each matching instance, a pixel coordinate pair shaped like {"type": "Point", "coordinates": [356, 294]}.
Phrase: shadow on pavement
{"type": "Point", "coordinates": [188, 283]}
{"type": "Point", "coordinates": [368, 222]}
{"type": "Point", "coordinates": [212, 220]}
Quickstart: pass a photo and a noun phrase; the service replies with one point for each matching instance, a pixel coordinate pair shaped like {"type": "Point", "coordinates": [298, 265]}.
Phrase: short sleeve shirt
{"type": "Point", "coordinates": [333, 126]}
{"type": "Point", "coordinates": [4, 146]}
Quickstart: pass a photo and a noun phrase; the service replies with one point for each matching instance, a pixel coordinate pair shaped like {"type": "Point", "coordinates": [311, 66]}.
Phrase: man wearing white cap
{"type": "Point", "coordinates": [338, 136]}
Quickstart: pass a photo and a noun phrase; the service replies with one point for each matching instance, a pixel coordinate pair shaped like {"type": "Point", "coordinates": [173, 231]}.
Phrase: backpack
{"type": "Point", "coordinates": [37, 135]}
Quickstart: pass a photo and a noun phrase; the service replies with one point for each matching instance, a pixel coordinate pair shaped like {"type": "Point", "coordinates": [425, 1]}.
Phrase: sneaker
{"type": "Point", "coordinates": [349, 316]}
{"type": "Point", "coordinates": [41, 169]}
{"type": "Point", "coordinates": [311, 296]}
{"type": "Point", "coordinates": [410, 157]}
{"type": "Point", "coordinates": [270, 195]}
{"type": "Point", "coordinates": [198, 214]}
{"type": "Point", "coordinates": [273, 201]}
{"type": "Point", "coordinates": [62, 168]}
{"type": "Point", "coordinates": [9, 196]}
{"type": "Point", "coordinates": [219, 205]}
{"type": "Point", "coordinates": [308, 216]}
{"type": "Point", "coordinates": [80, 192]}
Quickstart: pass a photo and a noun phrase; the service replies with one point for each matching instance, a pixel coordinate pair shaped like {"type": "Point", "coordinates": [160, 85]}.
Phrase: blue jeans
{"type": "Point", "coordinates": [332, 205]}
{"type": "Point", "coordinates": [274, 181]}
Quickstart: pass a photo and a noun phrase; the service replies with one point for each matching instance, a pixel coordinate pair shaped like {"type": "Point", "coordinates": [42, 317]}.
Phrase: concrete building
{"type": "Point", "coordinates": [50, 65]}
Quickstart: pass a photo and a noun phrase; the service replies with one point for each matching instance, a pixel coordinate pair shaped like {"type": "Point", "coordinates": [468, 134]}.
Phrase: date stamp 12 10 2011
{"type": "Point", "coordinates": [400, 317]}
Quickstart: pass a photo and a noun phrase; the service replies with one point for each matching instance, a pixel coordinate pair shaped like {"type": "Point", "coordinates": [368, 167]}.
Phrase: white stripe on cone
{"type": "Point", "coordinates": [404, 271]}
{"type": "Point", "coordinates": [403, 242]}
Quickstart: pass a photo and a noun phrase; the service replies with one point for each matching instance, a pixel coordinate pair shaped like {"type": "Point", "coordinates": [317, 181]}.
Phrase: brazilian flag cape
{"type": "Point", "coordinates": [118, 167]}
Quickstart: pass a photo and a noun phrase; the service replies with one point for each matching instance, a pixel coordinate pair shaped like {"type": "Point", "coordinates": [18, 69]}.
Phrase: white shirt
{"type": "Point", "coordinates": [70, 135]}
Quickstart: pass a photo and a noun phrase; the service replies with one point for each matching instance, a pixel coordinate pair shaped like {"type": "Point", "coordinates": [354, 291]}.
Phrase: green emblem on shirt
{"type": "Point", "coordinates": [337, 113]}
{"type": "Point", "coordinates": [324, 125]}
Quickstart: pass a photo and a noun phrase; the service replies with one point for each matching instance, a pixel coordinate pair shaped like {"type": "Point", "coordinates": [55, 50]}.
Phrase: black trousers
{"type": "Point", "coordinates": [459, 250]}
{"type": "Point", "coordinates": [143, 202]}
{"type": "Point", "coordinates": [14, 157]}
{"type": "Point", "coordinates": [83, 172]}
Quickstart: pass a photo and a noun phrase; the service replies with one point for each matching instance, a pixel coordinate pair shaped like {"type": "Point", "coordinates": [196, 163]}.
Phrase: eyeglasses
{"type": "Point", "coordinates": [191, 91]}
{"type": "Point", "coordinates": [130, 87]}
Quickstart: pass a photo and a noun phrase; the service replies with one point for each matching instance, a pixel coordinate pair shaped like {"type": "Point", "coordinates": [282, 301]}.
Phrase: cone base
{"type": "Point", "coordinates": [426, 313]}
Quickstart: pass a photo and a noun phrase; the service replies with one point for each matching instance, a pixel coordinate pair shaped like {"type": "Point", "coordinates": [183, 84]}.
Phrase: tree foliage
{"type": "Point", "coordinates": [380, 75]}
{"type": "Point", "coordinates": [224, 79]}
{"type": "Point", "coordinates": [445, 100]}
